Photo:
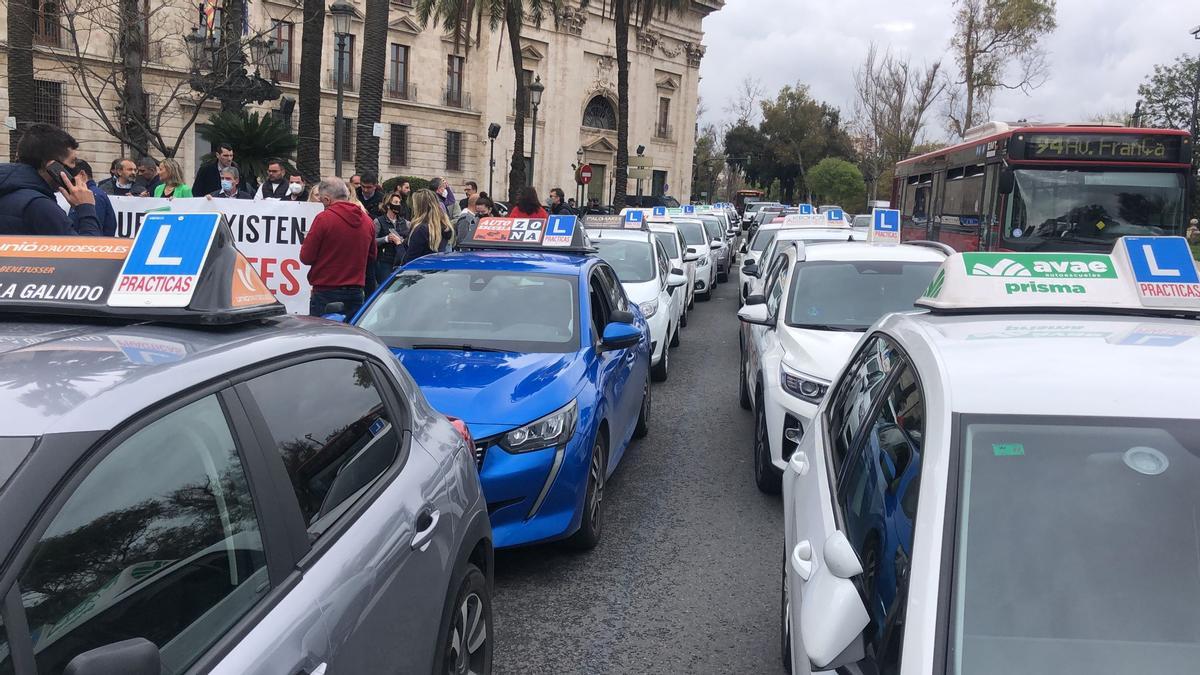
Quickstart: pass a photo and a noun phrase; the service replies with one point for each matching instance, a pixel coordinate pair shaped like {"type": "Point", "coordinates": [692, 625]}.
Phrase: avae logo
{"type": "Point", "coordinates": [1040, 266]}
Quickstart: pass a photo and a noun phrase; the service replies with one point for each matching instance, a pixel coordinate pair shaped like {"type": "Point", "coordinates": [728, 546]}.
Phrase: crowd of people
{"type": "Point", "coordinates": [351, 247]}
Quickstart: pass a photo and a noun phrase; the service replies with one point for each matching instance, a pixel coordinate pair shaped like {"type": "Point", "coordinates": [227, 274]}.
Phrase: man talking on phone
{"type": "Point", "coordinates": [45, 155]}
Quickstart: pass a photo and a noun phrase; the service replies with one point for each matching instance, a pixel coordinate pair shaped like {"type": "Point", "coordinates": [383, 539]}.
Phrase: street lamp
{"type": "Point", "coordinates": [219, 63]}
{"type": "Point", "coordinates": [341, 11]}
{"type": "Point", "coordinates": [493, 132]}
{"type": "Point", "coordinates": [641, 150]}
{"type": "Point", "coordinates": [535, 97]}
{"type": "Point", "coordinates": [578, 185]}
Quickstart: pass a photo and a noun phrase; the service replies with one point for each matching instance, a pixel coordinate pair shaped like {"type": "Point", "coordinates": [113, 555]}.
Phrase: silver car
{"type": "Point", "coordinates": [275, 497]}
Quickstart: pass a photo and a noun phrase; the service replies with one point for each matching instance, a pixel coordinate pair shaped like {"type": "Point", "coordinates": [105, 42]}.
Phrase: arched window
{"type": "Point", "coordinates": [599, 114]}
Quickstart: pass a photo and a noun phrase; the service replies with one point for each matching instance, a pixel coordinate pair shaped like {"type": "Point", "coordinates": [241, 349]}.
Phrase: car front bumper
{"type": "Point", "coordinates": [659, 323]}
{"type": "Point", "coordinates": [784, 411]}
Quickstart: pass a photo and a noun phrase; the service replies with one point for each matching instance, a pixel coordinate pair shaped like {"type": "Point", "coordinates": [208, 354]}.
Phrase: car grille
{"type": "Point", "coordinates": [481, 448]}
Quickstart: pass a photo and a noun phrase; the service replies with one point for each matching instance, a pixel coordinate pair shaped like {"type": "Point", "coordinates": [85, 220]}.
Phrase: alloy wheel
{"type": "Point", "coordinates": [468, 639]}
{"type": "Point", "coordinates": [597, 476]}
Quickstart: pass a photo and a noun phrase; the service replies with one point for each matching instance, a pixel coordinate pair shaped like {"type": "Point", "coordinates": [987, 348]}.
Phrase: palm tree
{"type": "Point", "coordinates": [308, 157]}
{"type": "Point", "coordinates": [460, 16]}
{"type": "Point", "coordinates": [626, 15]}
{"type": "Point", "coordinates": [20, 68]}
{"type": "Point", "coordinates": [370, 95]}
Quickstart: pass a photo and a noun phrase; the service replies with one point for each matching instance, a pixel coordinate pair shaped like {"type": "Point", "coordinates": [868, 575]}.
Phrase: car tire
{"type": "Point", "coordinates": [707, 295]}
{"type": "Point", "coordinates": [643, 424]}
{"type": "Point", "coordinates": [723, 277]}
{"type": "Point", "coordinates": [659, 372]}
{"type": "Point", "coordinates": [674, 338]}
{"type": "Point", "coordinates": [785, 622]}
{"type": "Point", "coordinates": [743, 390]}
{"type": "Point", "coordinates": [692, 302]}
{"type": "Point", "coordinates": [683, 318]}
{"type": "Point", "coordinates": [768, 479]}
{"type": "Point", "coordinates": [470, 613]}
{"type": "Point", "coordinates": [588, 534]}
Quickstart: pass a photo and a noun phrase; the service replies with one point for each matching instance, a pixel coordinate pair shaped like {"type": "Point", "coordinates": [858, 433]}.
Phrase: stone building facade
{"type": "Point", "coordinates": [439, 97]}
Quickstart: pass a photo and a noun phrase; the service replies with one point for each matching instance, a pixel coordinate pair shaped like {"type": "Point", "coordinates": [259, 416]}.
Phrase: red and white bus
{"type": "Point", "coordinates": [1047, 187]}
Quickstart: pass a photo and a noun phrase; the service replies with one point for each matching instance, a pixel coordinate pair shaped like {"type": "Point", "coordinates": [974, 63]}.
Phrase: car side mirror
{"type": "Point", "coordinates": [620, 335]}
{"type": "Point", "coordinates": [137, 656]}
{"type": "Point", "coordinates": [832, 616]}
{"type": "Point", "coordinates": [335, 311]}
{"type": "Point", "coordinates": [676, 279]}
{"type": "Point", "coordinates": [1006, 182]}
{"type": "Point", "coordinates": [691, 256]}
{"type": "Point", "coordinates": [716, 244]}
{"type": "Point", "coordinates": [750, 269]}
{"type": "Point", "coordinates": [676, 270]}
{"type": "Point", "coordinates": [755, 299]}
{"type": "Point", "coordinates": [755, 315]}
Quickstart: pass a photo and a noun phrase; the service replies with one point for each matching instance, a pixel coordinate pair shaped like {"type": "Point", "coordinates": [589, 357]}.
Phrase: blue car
{"type": "Point", "coordinates": [547, 362]}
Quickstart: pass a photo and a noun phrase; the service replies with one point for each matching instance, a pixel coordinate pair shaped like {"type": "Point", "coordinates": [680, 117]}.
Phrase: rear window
{"type": "Point", "coordinates": [13, 451]}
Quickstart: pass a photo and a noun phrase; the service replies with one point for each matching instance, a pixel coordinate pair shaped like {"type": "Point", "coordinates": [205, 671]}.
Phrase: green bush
{"type": "Point", "coordinates": [415, 183]}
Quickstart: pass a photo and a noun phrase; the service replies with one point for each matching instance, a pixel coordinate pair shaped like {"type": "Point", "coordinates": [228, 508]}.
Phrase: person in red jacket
{"type": "Point", "coordinates": [528, 205]}
{"type": "Point", "coordinates": [338, 247]}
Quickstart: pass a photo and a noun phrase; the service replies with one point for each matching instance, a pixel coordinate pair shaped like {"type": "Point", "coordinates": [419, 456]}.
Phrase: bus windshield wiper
{"type": "Point", "coordinates": [459, 347]}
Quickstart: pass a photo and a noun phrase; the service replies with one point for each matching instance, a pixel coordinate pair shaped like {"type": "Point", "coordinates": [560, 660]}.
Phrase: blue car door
{"type": "Point", "coordinates": [631, 373]}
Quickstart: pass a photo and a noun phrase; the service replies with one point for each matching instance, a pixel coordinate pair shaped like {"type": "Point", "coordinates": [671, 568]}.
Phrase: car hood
{"type": "Point", "coordinates": [820, 353]}
{"type": "Point", "coordinates": [495, 389]}
{"type": "Point", "coordinates": [641, 292]}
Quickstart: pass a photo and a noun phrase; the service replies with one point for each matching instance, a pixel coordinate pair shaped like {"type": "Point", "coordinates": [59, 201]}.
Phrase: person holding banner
{"type": "Point", "coordinates": [431, 231]}
{"type": "Point", "coordinates": [170, 181]}
{"type": "Point", "coordinates": [339, 249]}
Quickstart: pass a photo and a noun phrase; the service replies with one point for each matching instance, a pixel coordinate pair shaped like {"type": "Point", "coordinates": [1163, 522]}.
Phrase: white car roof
{"type": "Point", "coordinates": [857, 250]}
{"type": "Point", "coordinates": [627, 235]}
{"type": "Point", "coordinates": [1059, 364]}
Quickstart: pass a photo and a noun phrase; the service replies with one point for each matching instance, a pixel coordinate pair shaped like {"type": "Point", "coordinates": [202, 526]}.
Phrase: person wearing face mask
{"type": "Point", "coordinates": [445, 196]}
{"type": "Point", "coordinates": [229, 186]}
{"type": "Point", "coordinates": [208, 177]}
{"type": "Point", "coordinates": [339, 248]}
{"type": "Point", "coordinates": [295, 190]}
{"type": "Point", "coordinates": [28, 187]}
{"type": "Point", "coordinates": [403, 190]}
{"type": "Point", "coordinates": [389, 239]}
{"type": "Point", "coordinates": [276, 184]}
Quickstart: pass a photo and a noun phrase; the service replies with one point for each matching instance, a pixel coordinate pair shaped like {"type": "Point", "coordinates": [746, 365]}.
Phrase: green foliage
{"type": "Point", "coordinates": [836, 181]}
{"type": "Point", "coordinates": [1168, 92]}
{"type": "Point", "coordinates": [415, 183]}
{"type": "Point", "coordinates": [706, 164]}
{"type": "Point", "coordinates": [255, 139]}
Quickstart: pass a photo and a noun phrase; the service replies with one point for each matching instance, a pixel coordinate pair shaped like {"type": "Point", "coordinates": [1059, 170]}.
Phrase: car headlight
{"type": "Point", "coordinates": [549, 431]}
{"type": "Point", "coordinates": [649, 308]}
{"type": "Point", "coordinates": [802, 386]}
{"type": "Point", "coordinates": [703, 262]}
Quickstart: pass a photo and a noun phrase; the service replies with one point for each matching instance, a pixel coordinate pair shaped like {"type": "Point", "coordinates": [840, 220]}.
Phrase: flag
{"type": "Point", "coordinates": [210, 14]}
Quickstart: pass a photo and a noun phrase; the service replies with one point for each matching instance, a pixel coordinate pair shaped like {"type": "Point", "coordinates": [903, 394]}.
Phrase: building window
{"type": "Point", "coordinates": [398, 148]}
{"type": "Point", "coordinates": [347, 139]}
{"type": "Point", "coordinates": [48, 102]}
{"type": "Point", "coordinates": [599, 114]}
{"type": "Point", "coordinates": [283, 40]}
{"type": "Point", "coordinates": [527, 78]}
{"type": "Point", "coordinates": [663, 128]}
{"type": "Point", "coordinates": [398, 82]}
{"type": "Point", "coordinates": [347, 65]}
{"type": "Point", "coordinates": [46, 25]}
{"type": "Point", "coordinates": [453, 150]}
{"type": "Point", "coordinates": [454, 81]}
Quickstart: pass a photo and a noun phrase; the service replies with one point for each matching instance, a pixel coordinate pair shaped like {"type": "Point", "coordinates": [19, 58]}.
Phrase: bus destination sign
{"type": "Point", "coordinates": [1099, 147]}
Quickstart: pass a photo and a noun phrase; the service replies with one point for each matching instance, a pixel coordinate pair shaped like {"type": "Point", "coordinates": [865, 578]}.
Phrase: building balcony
{"type": "Point", "coordinates": [664, 132]}
{"type": "Point", "coordinates": [331, 80]}
{"type": "Point", "coordinates": [401, 91]}
{"type": "Point", "coordinates": [456, 98]}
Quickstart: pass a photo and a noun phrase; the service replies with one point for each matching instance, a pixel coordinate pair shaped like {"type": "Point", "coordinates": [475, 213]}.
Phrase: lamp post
{"type": "Point", "coordinates": [1195, 32]}
{"type": "Point", "coordinates": [578, 185]}
{"type": "Point", "coordinates": [219, 63]}
{"type": "Point", "coordinates": [493, 132]}
{"type": "Point", "coordinates": [535, 97]}
{"type": "Point", "coordinates": [341, 11]}
{"type": "Point", "coordinates": [641, 150]}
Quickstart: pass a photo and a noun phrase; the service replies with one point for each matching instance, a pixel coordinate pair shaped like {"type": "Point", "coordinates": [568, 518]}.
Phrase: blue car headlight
{"type": "Point", "coordinates": [549, 431]}
{"type": "Point", "coordinates": [802, 386]}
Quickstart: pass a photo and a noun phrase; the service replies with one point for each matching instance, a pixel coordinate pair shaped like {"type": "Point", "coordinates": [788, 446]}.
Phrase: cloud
{"type": "Point", "coordinates": [896, 26]}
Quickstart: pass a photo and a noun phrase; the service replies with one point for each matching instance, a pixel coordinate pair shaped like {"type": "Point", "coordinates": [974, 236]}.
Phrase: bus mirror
{"type": "Point", "coordinates": [1007, 181]}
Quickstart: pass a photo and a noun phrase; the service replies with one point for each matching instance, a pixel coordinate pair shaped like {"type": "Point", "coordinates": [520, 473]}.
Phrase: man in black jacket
{"type": "Point", "coordinates": [208, 177]}
{"type": "Point", "coordinates": [276, 184]}
{"type": "Point", "coordinates": [369, 194]}
{"type": "Point", "coordinates": [27, 204]}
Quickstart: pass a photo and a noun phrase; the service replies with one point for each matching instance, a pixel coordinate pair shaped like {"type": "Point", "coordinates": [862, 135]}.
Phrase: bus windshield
{"type": "Point", "coordinates": [1052, 208]}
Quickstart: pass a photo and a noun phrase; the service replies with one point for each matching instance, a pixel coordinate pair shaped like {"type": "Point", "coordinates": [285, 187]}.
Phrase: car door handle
{"type": "Point", "coordinates": [800, 463]}
{"type": "Point", "coordinates": [802, 560]}
{"type": "Point", "coordinates": [630, 354]}
{"type": "Point", "coordinates": [427, 524]}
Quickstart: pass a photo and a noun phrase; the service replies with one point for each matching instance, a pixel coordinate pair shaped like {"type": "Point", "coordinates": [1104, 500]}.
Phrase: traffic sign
{"type": "Point", "coordinates": [583, 175]}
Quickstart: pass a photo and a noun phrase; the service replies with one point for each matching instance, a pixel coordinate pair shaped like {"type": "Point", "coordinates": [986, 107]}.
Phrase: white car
{"type": "Point", "coordinates": [676, 249]}
{"type": "Point", "coordinates": [752, 252]}
{"type": "Point", "coordinates": [782, 238]}
{"type": "Point", "coordinates": [696, 238]}
{"type": "Point", "coordinates": [719, 244]}
{"type": "Point", "coordinates": [648, 279]}
{"type": "Point", "coordinates": [1007, 482]}
{"type": "Point", "coordinates": [819, 300]}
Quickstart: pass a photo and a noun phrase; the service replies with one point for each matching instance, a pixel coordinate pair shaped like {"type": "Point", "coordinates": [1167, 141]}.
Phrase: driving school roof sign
{"type": "Point", "coordinates": [885, 226]}
{"type": "Point", "coordinates": [164, 265]}
{"type": "Point", "coordinates": [559, 232]}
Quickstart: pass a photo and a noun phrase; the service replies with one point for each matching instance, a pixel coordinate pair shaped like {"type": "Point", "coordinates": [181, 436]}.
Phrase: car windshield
{"type": "Point", "coordinates": [693, 233]}
{"type": "Point", "coordinates": [852, 295]}
{"type": "Point", "coordinates": [510, 311]}
{"type": "Point", "coordinates": [1077, 547]}
{"type": "Point", "coordinates": [13, 451]}
{"type": "Point", "coordinates": [762, 239]}
{"type": "Point", "coordinates": [1056, 208]}
{"type": "Point", "coordinates": [669, 242]}
{"type": "Point", "coordinates": [861, 221]}
{"type": "Point", "coordinates": [712, 227]}
{"type": "Point", "coordinates": [633, 261]}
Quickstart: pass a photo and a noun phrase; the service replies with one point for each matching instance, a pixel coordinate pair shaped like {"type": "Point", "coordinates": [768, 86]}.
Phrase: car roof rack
{"type": "Point", "coordinates": [180, 268]}
{"type": "Point", "coordinates": [555, 234]}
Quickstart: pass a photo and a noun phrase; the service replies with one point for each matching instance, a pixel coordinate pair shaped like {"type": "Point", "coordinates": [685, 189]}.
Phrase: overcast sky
{"type": "Point", "coordinates": [1100, 52]}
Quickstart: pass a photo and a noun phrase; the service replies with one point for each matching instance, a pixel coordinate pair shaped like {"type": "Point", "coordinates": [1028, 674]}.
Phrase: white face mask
{"type": "Point", "coordinates": [294, 188]}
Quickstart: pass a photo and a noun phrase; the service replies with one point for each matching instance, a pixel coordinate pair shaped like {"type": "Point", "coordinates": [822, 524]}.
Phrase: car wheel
{"type": "Point", "coordinates": [707, 295]}
{"type": "Point", "coordinates": [659, 373]}
{"type": "Point", "coordinates": [743, 390]}
{"type": "Point", "coordinates": [692, 302]}
{"type": "Point", "coordinates": [683, 318]}
{"type": "Point", "coordinates": [785, 621]}
{"type": "Point", "coordinates": [467, 634]}
{"type": "Point", "coordinates": [675, 338]}
{"type": "Point", "coordinates": [643, 423]}
{"type": "Point", "coordinates": [588, 534]}
{"type": "Point", "coordinates": [723, 277]}
{"type": "Point", "coordinates": [766, 476]}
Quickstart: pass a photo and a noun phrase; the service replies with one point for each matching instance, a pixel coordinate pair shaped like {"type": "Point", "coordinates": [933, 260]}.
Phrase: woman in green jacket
{"type": "Point", "coordinates": [172, 185]}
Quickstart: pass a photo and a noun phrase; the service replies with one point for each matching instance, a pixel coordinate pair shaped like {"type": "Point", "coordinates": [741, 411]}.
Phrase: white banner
{"type": "Point", "coordinates": [268, 233]}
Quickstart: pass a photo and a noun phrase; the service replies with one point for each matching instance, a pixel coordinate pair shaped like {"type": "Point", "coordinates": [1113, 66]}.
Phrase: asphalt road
{"type": "Point", "coordinates": [686, 577]}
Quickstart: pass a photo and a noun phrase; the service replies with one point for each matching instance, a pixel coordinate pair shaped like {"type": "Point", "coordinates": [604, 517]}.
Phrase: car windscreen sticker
{"type": "Point", "coordinates": [164, 265]}
{"type": "Point", "coordinates": [1163, 270]}
{"type": "Point", "coordinates": [560, 231]}
{"type": "Point", "coordinates": [1008, 449]}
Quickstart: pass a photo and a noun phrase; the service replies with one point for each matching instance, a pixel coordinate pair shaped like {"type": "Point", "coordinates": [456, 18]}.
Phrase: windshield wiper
{"type": "Point", "coordinates": [460, 347]}
{"type": "Point", "coordinates": [827, 326]}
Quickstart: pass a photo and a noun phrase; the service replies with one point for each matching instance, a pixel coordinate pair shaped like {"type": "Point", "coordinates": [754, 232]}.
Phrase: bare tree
{"type": "Point", "coordinates": [745, 104]}
{"type": "Point", "coordinates": [997, 45]}
{"type": "Point", "coordinates": [891, 102]}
